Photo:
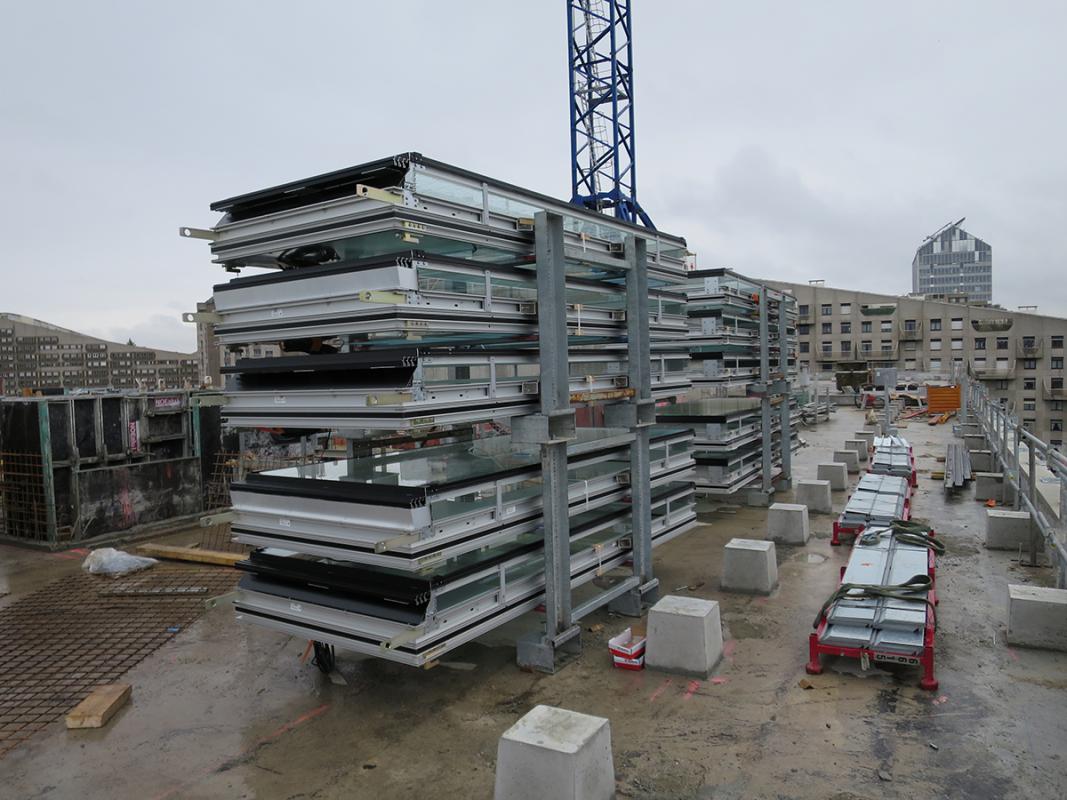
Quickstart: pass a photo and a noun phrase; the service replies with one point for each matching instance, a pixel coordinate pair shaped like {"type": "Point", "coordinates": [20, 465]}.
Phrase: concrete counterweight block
{"type": "Point", "coordinates": [684, 636]}
{"type": "Point", "coordinates": [1037, 617]}
{"type": "Point", "coordinates": [552, 752]}
{"type": "Point", "coordinates": [1009, 530]}
{"type": "Point", "coordinates": [749, 565]}
{"type": "Point", "coordinates": [815, 495]}
{"type": "Point", "coordinates": [867, 436]}
{"type": "Point", "coordinates": [788, 523]}
{"type": "Point", "coordinates": [836, 474]}
{"type": "Point", "coordinates": [849, 458]}
{"type": "Point", "coordinates": [859, 445]}
{"type": "Point", "coordinates": [982, 460]}
{"type": "Point", "coordinates": [974, 441]}
{"type": "Point", "coordinates": [992, 486]}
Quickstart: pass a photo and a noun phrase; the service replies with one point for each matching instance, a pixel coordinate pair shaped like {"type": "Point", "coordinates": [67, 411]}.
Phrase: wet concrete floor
{"type": "Point", "coordinates": [229, 711]}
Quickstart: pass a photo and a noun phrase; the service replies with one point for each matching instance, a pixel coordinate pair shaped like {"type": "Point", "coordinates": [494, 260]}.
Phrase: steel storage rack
{"type": "Point", "coordinates": [885, 608]}
{"type": "Point", "coordinates": [742, 345]}
{"type": "Point", "coordinates": [411, 296]}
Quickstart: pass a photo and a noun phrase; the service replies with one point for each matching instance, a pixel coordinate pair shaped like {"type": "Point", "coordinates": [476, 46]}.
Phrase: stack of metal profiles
{"type": "Point", "coordinates": [727, 351]}
{"type": "Point", "coordinates": [957, 465]}
{"type": "Point", "coordinates": [888, 625]}
{"type": "Point", "coordinates": [404, 294]}
{"type": "Point", "coordinates": [893, 456]}
{"type": "Point", "coordinates": [877, 500]}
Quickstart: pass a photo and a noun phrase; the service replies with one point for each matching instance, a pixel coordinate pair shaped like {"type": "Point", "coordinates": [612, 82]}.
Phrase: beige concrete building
{"type": "Point", "coordinates": [1019, 355]}
{"type": "Point", "coordinates": [39, 356]}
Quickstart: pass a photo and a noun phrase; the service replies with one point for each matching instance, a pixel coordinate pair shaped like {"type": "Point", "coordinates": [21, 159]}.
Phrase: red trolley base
{"type": "Point", "coordinates": [866, 655]}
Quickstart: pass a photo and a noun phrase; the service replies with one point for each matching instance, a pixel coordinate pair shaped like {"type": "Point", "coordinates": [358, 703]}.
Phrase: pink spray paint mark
{"type": "Point", "coordinates": [719, 681]}
{"type": "Point", "coordinates": [1013, 654]}
{"type": "Point", "coordinates": [691, 689]}
{"type": "Point", "coordinates": [659, 691]}
{"type": "Point", "coordinates": [729, 647]}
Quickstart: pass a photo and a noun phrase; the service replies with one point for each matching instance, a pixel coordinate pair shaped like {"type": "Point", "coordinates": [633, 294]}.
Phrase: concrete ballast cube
{"type": "Point", "coordinates": [989, 486]}
{"type": "Point", "coordinates": [974, 441]}
{"type": "Point", "coordinates": [815, 495]}
{"type": "Point", "coordinates": [1037, 617]}
{"type": "Point", "coordinates": [982, 460]}
{"type": "Point", "coordinates": [1009, 530]}
{"type": "Point", "coordinates": [749, 565]}
{"type": "Point", "coordinates": [552, 752]}
{"type": "Point", "coordinates": [849, 458]}
{"type": "Point", "coordinates": [867, 436]}
{"type": "Point", "coordinates": [684, 636]}
{"type": "Point", "coordinates": [859, 445]}
{"type": "Point", "coordinates": [836, 474]}
{"type": "Point", "coordinates": [788, 523]}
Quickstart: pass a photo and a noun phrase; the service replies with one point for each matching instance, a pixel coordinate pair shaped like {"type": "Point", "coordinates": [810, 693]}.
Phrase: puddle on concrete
{"type": "Point", "coordinates": [742, 629]}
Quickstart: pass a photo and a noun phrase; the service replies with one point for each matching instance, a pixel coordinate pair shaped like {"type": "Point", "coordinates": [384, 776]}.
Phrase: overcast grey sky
{"type": "Point", "coordinates": [788, 140]}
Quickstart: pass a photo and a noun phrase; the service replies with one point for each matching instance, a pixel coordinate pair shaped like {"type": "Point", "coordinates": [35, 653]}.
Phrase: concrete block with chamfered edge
{"type": "Point", "coordinates": [982, 461]}
{"type": "Point", "coordinates": [867, 436]}
{"type": "Point", "coordinates": [684, 636]}
{"type": "Point", "coordinates": [787, 523]}
{"type": "Point", "coordinates": [1037, 617]}
{"type": "Point", "coordinates": [974, 441]}
{"type": "Point", "coordinates": [552, 752]}
{"type": "Point", "coordinates": [836, 474]}
{"type": "Point", "coordinates": [749, 565]}
{"type": "Point", "coordinates": [860, 446]}
{"type": "Point", "coordinates": [992, 486]}
{"type": "Point", "coordinates": [1009, 530]}
{"type": "Point", "coordinates": [815, 495]}
{"type": "Point", "coordinates": [849, 458]}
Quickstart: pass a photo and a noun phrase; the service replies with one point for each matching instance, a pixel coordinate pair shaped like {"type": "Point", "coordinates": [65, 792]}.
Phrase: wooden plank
{"type": "Point", "coordinates": [100, 706]}
{"type": "Point", "coordinates": [176, 553]}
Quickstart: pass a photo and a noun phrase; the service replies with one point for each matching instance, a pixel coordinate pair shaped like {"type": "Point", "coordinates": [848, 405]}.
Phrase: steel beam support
{"type": "Point", "coordinates": [786, 478]}
{"type": "Point", "coordinates": [765, 380]}
{"type": "Point", "coordinates": [538, 651]}
{"type": "Point", "coordinates": [640, 376]}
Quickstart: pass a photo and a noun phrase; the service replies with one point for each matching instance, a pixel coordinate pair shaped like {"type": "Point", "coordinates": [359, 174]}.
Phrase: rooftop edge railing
{"type": "Point", "coordinates": [1010, 443]}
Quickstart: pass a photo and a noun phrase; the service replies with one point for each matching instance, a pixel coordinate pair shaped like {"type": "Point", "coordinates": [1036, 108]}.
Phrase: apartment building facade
{"type": "Point", "coordinates": [954, 262]}
{"type": "Point", "coordinates": [1020, 356]}
{"type": "Point", "coordinates": [39, 356]}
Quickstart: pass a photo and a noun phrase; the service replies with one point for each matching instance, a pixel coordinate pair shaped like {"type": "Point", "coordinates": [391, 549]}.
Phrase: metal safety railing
{"type": "Point", "coordinates": [1021, 456]}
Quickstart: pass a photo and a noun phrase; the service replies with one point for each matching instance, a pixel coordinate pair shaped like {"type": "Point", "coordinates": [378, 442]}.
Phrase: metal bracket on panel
{"type": "Point", "coordinates": [197, 233]}
{"type": "Point", "coordinates": [398, 541]}
{"type": "Point", "coordinates": [201, 316]}
{"type": "Point", "coordinates": [381, 195]}
{"type": "Point", "coordinates": [210, 520]}
{"type": "Point", "coordinates": [524, 224]}
{"type": "Point", "coordinates": [402, 638]}
{"type": "Point", "coordinates": [529, 307]}
{"type": "Point", "coordinates": [388, 298]}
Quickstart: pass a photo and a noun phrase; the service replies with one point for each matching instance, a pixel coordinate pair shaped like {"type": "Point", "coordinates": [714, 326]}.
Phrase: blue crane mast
{"type": "Point", "coordinates": [603, 152]}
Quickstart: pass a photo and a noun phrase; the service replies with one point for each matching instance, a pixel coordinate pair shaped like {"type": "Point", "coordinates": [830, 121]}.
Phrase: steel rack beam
{"type": "Point", "coordinates": [538, 650]}
{"type": "Point", "coordinates": [640, 414]}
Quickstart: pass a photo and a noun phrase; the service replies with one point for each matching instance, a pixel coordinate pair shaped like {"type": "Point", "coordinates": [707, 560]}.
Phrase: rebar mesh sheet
{"type": "Point", "coordinates": [23, 506]}
{"type": "Point", "coordinates": [60, 642]}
